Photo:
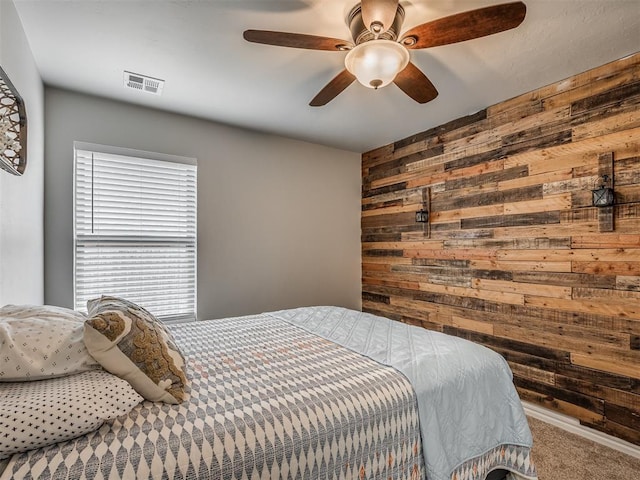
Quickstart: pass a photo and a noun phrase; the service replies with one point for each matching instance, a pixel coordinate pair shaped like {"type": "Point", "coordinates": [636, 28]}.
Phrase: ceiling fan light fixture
{"type": "Point", "coordinates": [377, 62]}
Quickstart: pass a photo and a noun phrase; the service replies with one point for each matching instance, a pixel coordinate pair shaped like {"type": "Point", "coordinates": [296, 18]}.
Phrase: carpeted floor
{"type": "Point", "coordinates": [560, 455]}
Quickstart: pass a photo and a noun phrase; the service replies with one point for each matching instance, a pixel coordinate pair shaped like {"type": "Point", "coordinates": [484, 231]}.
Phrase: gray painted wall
{"type": "Point", "coordinates": [278, 219]}
{"type": "Point", "coordinates": [21, 198]}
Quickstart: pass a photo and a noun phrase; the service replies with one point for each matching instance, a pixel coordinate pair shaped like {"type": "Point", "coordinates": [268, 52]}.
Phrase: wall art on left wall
{"type": "Point", "coordinates": [13, 128]}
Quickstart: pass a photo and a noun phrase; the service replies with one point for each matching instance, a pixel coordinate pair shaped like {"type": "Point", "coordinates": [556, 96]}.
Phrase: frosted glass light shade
{"type": "Point", "coordinates": [377, 62]}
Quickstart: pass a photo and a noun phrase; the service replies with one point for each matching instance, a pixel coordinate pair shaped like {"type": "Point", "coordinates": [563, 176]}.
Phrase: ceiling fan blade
{"type": "Point", "coordinates": [333, 88]}
{"type": "Point", "coordinates": [416, 84]}
{"type": "Point", "coordinates": [296, 40]}
{"type": "Point", "coordinates": [466, 26]}
{"type": "Point", "coordinates": [378, 15]}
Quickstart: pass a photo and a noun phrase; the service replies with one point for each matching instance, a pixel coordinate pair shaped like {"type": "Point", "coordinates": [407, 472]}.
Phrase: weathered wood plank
{"type": "Point", "coordinates": [628, 283]}
{"type": "Point", "coordinates": [585, 344]}
{"type": "Point", "coordinates": [407, 175]}
{"type": "Point", "coordinates": [549, 203]}
{"type": "Point", "coordinates": [451, 254]}
{"type": "Point", "coordinates": [434, 132]}
{"type": "Point", "coordinates": [595, 85]}
{"type": "Point", "coordinates": [375, 267]}
{"type": "Point", "coordinates": [374, 297]}
{"type": "Point", "coordinates": [577, 255]}
{"type": "Point", "coordinates": [516, 220]}
{"type": "Point", "coordinates": [609, 124]}
{"type": "Point", "coordinates": [452, 201]}
{"type": "Point", "coordinates": [553, 317]}
{"type": "Point", "coordinates": [594, 388]}
{"type": "Point", "coordinates": [605, 241]}
{"type": "Point", "coordinates": [540, 179]}
{"type": "Point", "coordinates": [525, 371]}
{"type": "Point", "coordinates": [574, 154]}
{"type": "Point", "coordinates": [628, 309]}
{"type": "Point", "coordinates": [447, 216]}
{"type": "Point", "coordinates": [622, 415]}
{"type": "Point", "coordinates": [569, 407]}
{"type": "Point", "coordinates": [518, 171]}
{"type": "Point", "coordinates": [386, 282]}
{"type": "Point", "coordinates": [473, 325]}
{"type": "Point", "coordinates": [382, 253]}
{"type": "Point", "coordinates": [396, 165]}
{"type": "Point", "coordinates": [626, 171]}
{"type": "Point", "coordinates": [388, 210]}
{"type": "Point", "coordinates": [445, 231]}
{"type": "Point", "coordinates": [555, 354]}
{"type": "Point", "coordinates": [627, 194]}
{"type": "Point", "coordinates": [614, 429]}
{"type": "Point", "coordinates": [524, 266]}
{"type": "Point", "coordinates": [602, 362]}
{"type": "Point", "coordinates": [441, 262]}
{"type": "Point", "coordinates": [377, 156]}
{"type": "Point", "coordinates": [423, 245]}
{"type": "Point", "coordinates": [607, 76]}
{"type": "Point", "coordinates": [405, 196]}
{"type": "Point", "coordinates": [510, 243]}
{"type": "Point", "coordinates": [550, 122]}
{"type": "Point", "coordinates": [421, 179]}
{"type": "Point", "coordinates": [606, 268]}
{"type": "Point", "coordinates": [404, 218]}
{"type": "Point", "coordinates": [566, 279]}
{"type": "Point", "coordinates": [539, 290]}
{"type": "Point", "coordinates": [589, 292]}
{"type": "Point", "coordinates": [367, 207]}
{"type": "Point", "coordinates": [607, 97]}
{"type": "Point", "coordinates": [370, 192]}
{"type": "Point", "coordinates": [575, 184]}
{"type": "Point", "coordinates": [503, 297]}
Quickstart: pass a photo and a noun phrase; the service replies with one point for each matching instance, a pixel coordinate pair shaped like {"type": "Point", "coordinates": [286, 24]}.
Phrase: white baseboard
{"type": "Point", "coordinates": [572, 425]}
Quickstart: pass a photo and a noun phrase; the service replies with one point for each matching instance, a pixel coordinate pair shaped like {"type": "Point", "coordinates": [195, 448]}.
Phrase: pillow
{"type": "Point", "coordinates": [36, 414]}
{"type": "Point", "coordinates": [38, 342]}
{"type": "Point", "coordinates": [130, 342]}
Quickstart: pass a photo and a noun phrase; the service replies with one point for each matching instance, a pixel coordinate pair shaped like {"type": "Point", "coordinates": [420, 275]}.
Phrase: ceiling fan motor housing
{"type": "Point", "coordinates": [360, 33]}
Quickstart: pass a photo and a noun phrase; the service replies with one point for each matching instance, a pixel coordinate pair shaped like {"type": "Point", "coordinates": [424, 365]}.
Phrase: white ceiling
{"type": "Point", "coordinates": [212, 73]}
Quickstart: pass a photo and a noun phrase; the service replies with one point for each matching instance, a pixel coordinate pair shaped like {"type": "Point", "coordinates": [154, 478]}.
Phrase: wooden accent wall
{"type": "Point", "coordinates": [516, 257]}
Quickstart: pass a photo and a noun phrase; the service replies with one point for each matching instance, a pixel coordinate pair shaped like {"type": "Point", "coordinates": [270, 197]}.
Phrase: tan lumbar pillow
{"type": "Point", "coordinates": [131, 343]}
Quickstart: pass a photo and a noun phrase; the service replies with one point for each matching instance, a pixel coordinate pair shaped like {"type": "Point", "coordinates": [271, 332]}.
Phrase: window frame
{"type": "Point", "coordinates": [132, 239]}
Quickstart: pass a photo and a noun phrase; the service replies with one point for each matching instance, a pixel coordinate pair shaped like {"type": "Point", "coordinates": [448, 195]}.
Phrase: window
{"type": "Point", "coordinates": [135, 229]}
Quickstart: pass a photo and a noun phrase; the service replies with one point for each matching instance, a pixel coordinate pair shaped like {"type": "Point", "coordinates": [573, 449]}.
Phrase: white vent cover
{"type": "Point", "coordinates": [143, 83]}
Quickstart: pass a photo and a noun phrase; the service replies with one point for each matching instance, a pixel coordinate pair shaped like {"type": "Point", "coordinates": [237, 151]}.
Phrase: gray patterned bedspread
{"type": "Point", "coordinates": [267, 400]}
{"type": "Point", "coordinates": [471, 417]}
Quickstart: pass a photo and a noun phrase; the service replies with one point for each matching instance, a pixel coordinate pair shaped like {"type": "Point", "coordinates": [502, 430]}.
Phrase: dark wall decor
{"type": "Point", "coordinates": [13, 128]}
{"type": "Point", "coordinates": [518, 256]}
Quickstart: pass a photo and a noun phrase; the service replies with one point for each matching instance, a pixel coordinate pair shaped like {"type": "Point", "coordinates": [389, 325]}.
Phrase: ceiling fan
{"type": "Point", "coordinates": [378, 54]}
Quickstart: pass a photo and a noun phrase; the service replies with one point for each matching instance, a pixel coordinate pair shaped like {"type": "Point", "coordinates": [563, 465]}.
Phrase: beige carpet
{"type": "Point", "coordinates": [560, 455]}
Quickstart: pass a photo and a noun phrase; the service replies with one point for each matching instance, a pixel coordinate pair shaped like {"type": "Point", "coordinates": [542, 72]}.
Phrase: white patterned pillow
{"type": "Point", "coordinates": [36, 414]}
{"type": "Point", "coordinates": [38, 342]}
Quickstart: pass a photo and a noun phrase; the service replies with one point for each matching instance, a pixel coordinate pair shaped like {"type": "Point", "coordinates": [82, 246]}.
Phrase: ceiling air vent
{"type": "Point", "coordinates": [143, 83]}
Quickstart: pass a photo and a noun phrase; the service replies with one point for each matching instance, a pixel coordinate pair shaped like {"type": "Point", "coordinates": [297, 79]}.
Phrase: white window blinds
{"type": "Point", "coordinates": [135, 232]}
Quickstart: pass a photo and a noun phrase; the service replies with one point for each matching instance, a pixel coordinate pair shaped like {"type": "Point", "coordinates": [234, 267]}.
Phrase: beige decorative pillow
{"type": "Point", "coordinates": [131, 343]}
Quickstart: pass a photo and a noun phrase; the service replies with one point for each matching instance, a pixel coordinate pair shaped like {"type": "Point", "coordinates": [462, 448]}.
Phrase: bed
{"type": "Point", "coordinates": [310, 393]}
